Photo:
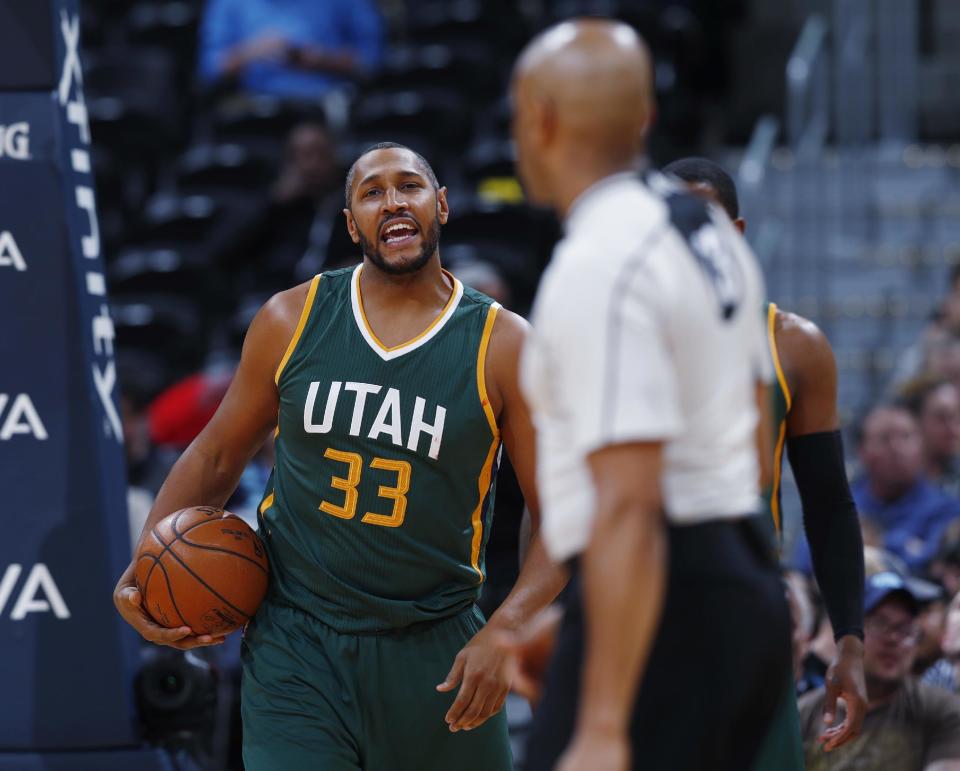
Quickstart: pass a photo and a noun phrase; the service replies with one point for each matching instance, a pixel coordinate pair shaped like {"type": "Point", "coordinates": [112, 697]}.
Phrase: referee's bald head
{"type": "Point", "coordinates": [583, 102]}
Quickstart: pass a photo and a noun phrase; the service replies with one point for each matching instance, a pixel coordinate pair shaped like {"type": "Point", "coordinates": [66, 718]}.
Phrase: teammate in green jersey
{"type": "Point", "coordinates": [805, 421]}
{"type": "Point", "coordinates": [390, 387]}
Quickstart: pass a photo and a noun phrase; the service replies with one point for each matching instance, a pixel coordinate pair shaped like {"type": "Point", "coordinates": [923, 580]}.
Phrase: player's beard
{"type": "Point", "coordinates": [431, 240]}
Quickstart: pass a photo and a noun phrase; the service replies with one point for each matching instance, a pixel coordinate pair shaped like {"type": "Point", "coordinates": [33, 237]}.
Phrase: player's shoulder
{"type": "Point", "coordinates": [509, 330]}
{"type": "Point", "coordinates": [474, 298]}
{"type": "Point", "coordinates": [339, 273]}
{"type": "Point", "coordinates": [932, 702]}
{"type": "Point", "coordinates": [801, 344]}
{"type": "Point", "coordinates": [283, 310]}
{"type": "Point", "coordinates": [798, 332]}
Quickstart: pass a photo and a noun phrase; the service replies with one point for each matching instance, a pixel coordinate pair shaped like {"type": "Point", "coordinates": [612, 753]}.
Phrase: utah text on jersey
{"type": "Point", "coordinates": [388, 421]}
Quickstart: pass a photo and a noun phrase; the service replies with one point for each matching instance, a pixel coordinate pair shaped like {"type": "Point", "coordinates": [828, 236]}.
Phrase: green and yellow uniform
{"type": "Point", "coordinates": [782, 750]}
{"type": "Point", "coordinates": [781, 402]}
{"type": "Point", "coordinates": [375, 520]}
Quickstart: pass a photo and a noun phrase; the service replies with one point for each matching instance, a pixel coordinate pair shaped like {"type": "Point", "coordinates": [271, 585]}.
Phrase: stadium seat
{"type": "Point", "coordinates": [219, 168]}
{"type": "Point", "coordinates": [491, 157]}
{"type": "Point", "coordinates": [167, 325]}
{"type": "Point", "coordinates": [133, 100]}
{"type": "Point", "coordinates": [171, 25]}
{"type": "Point", "coordinates": [449, 21]}
{"type": "Point", "coordinates": [163, 271]}
{"type": "Point", "coordinates": [261, 118]}
{"type": "Point", "coordinates": [174, 219]}
{"type": "Point", "coordinates": [442, 113]}
{"type": "Point", "coordinates": [468, 67]}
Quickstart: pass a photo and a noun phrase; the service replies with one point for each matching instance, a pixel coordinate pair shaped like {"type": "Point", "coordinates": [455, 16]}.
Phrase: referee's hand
{"type": "Point", "coordinates": [844, 681]}
{"type": "Point", "coordinates": [530, 650]}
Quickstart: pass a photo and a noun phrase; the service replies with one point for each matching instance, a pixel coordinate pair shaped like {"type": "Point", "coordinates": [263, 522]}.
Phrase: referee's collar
{"type": "Point", "coordinates": [583, 204]}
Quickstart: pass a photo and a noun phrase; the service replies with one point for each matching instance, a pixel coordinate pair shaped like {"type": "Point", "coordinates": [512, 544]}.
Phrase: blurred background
{"type": "Point", "coordinates": [222, 131]}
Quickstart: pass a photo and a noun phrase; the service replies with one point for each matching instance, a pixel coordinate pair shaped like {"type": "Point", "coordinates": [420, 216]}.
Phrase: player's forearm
{"type": "Point", "coordinates": [832, 527]}
{"type": "Point", "coordinates": [624, 576]}
{"type": "Point", "coordinates": [201, 477]}
{"type": "Point", "coordinates": [538, 584]}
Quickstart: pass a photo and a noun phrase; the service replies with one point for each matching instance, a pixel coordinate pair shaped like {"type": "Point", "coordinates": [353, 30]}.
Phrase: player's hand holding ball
{"type": "Point", "coordinates": [198, 575]}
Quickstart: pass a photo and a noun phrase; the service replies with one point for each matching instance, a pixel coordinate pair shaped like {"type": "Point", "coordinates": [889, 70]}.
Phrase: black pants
{"type": "Point", "coordinates": [715, 674]}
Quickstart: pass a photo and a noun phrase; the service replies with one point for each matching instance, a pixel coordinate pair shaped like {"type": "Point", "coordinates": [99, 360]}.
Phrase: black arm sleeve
{"type": "Point", "coordinates": [833, 530]}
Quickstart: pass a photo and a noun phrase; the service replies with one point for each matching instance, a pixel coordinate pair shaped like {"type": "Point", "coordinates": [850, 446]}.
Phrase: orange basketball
{"type": "Point", "coordinates": [204, 568]}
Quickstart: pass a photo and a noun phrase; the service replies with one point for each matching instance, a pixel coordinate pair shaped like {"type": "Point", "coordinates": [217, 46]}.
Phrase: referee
{"type": "Point", "coordinates": [646, 372]}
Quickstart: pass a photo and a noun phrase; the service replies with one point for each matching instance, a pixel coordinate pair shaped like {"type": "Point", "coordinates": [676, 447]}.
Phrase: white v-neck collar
{"type": "Point", "coordinates": [423, 338]}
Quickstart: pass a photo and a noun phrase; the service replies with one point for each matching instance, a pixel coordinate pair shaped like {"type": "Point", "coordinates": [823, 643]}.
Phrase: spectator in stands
{"type": "Point", "coordinates": [803, 618]}
{"type": "Point", "coordinates": [945, 673]}
{"type": "Point", "coordinates": [931, 625]}
{"type": "Point", "coordinates": [927, 354]}
{"type": "Point", "coordinates": [909, 726]}
{"type": "Point", "coordinates": [943, 359]}
{"type": "Point", "coordinates": [282, 239]}
{"type": "Point", "coordinates": [936, 406]}
{"type": "Point", "coordinates": [893, 492]}
{"type": "Point", "coordinates": [946, 566]}
{"type": "Point", "coordinates": [142, 376]}
{"type": "Point", "coordinates": [296, 49]}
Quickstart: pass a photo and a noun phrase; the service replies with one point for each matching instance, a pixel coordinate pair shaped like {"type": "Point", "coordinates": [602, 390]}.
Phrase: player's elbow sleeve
{"type": "Point", "coordinates": [832, 526]}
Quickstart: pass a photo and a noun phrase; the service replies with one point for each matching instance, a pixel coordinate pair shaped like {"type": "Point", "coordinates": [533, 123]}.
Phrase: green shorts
{"type": "Point", "coordinates": [313, 698]}
{"type": "Point", "coordinates": [782, 748]}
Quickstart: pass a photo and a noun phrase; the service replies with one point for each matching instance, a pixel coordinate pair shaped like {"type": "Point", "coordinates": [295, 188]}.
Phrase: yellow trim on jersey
{"type": "Point", "coordinates": [267, 503]}
{"type": "Point", "coordinates": [775, 355]}
{"type": "Point", "coordinates": [440, 316]}
{"type": "Point", "coordinates": [483, 482]}
{"type": "Point", "coordinates": [782, 435]}
{"type": "Point", "coordinates": [482, 369]}
{"type": "Point", "coordinates": [304, 315]}
{"type": "Point", "coordinates": [777, 473]}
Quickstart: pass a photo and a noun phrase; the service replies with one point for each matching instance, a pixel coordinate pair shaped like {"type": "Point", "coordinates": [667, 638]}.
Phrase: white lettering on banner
{"type": "Point", "coordinates": [22, 418]}
{"type": "Point", "coordinates": [15, 142]}
{"type": "Point", "coordinates": [103, 331]}
{"type": "Point", "coordinates": [10, 576]}
{"type": "Point", "coordinates": [71, 60]}
{"type": "Point", "coordinates": [104, 381]}
{"type": "Point", "coordinates": [10, 254]}
{"type": "Point", "coordinates": [38, 582]}
{"type": "Point", "coordinates": [89, 244]}
{"type": "Point", "coordinates": [77, 115]}
{"type": "Point", "coordinates": [80, 160]}
{"type": "Point", "coordinates": [70, 95]}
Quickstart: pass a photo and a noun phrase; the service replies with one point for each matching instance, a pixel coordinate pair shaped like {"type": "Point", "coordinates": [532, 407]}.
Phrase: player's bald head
{"type": "Point", "coordinates": [586, 86]}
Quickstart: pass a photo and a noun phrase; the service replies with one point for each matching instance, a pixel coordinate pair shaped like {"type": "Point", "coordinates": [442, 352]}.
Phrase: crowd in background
{"type": "Point", "coordinates": [222, 134]}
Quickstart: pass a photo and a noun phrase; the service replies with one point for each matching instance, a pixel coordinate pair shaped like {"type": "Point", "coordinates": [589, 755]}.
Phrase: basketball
{"type": "Point", "coordinates": [204, 568]}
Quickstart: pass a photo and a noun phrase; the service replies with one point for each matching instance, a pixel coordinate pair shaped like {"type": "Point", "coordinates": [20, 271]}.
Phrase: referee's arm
{"type": "Point", "coordinates": [624, 580]}
{"type": "Point", "coordinates": [815, 451]}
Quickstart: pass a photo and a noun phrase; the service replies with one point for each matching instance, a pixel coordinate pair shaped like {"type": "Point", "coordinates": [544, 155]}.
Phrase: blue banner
{"type": "Point", "coordinates": [66, 659]}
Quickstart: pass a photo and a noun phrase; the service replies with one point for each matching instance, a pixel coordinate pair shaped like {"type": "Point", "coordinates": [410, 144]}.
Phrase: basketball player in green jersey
{"type": "Point", "coordinates": [806, 423]}
{"type": "Point", "coordinates": [390, 387]}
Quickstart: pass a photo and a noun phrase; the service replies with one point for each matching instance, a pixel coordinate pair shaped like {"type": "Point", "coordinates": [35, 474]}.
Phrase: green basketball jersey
{"type": "Point", "coordinates": [780, 406]}
{"type": "Point", "coordinates": [377, 513]}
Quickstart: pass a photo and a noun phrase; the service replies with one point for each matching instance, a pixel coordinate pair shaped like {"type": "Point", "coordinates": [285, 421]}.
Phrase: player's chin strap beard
{"type": "Point", "coordinates": [431, 242]}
